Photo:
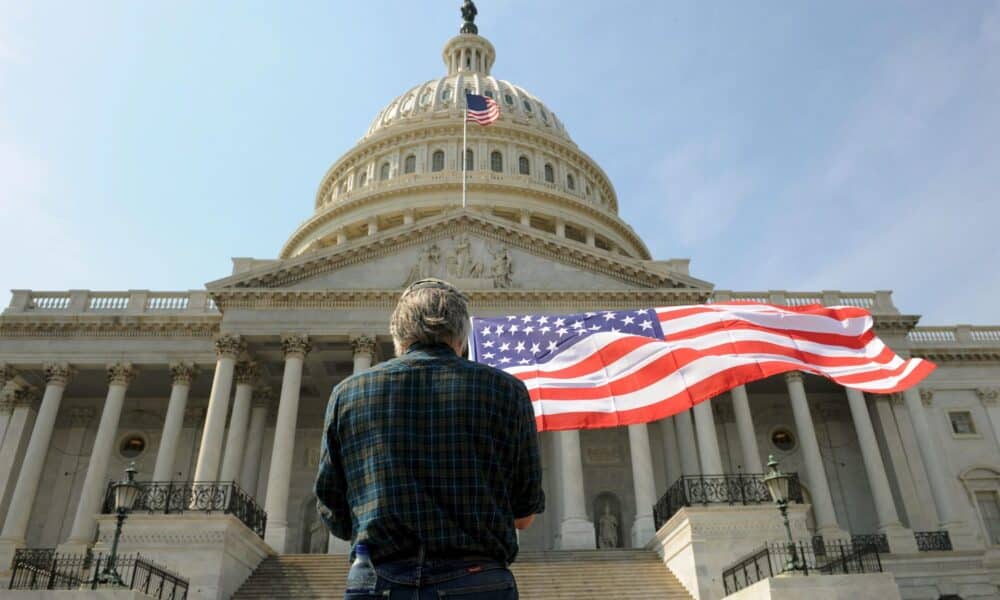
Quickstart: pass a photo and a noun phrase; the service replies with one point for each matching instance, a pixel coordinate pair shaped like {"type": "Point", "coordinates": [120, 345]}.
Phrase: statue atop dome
{"type": "Point", "coordinates": [469, 13]}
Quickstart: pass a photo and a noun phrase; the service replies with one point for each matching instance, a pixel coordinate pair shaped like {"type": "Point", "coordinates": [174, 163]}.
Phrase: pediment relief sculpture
{"type": "Point", "coordinates": [456, 261]}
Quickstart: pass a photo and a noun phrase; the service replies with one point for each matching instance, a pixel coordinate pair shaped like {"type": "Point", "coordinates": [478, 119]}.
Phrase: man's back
{"type": "Point", "coordinates": [430, 453]}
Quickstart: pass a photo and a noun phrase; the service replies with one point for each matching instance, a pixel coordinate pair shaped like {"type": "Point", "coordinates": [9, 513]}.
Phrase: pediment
{"type": "Point", "coordinates": [472, 251]}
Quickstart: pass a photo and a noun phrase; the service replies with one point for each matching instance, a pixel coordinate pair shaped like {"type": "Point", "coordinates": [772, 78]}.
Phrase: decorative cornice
{"type": "Point", "coordinates": [45, 326]}
{"type": "Point", "coordinates": [958, 354]}
{"type": "Point", "coordinates": [57, 373]}
{"type": "Point", "coordinates": [363, 344]}
{"type": "Point", "coordinates": [228, 345]}
{"type": "Point", "coordinates": [121, 373]}
{"type": "Point", "coordinates": [295, 345]}
{"type": "Point", "coordinates": [793, 376]}
{"type": "Point", "coordinates": [889, 323]}
{"type": "Point", "coordinates": [246, 372]}
{"type": "Point", "coordinates": [988, 395]}
{"type": "Point", "coordinates": [183, 373]}
{"type": "Point", "coordinates": [926, 396]}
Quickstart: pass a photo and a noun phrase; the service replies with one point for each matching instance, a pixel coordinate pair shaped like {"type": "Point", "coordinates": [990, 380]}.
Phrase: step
{"type": "Point", "coordinates": [552, 575]}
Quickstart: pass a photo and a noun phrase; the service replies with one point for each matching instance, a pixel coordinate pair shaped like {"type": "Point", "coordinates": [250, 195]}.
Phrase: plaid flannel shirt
{"type": "Point", "coordinates": [432, 451]}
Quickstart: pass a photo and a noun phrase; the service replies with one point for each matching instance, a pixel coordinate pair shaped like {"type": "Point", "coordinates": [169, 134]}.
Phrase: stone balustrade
{"type": "Point", "coordinates": [955, 335]}
{"type": "Point", "coordinates": [879, 302]}
{"type": "Point", "coordinates": [131, 302]}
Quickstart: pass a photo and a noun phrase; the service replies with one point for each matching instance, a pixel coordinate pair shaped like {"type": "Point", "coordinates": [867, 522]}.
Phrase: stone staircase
{"type": "Point", "coordinates": [570, 575]}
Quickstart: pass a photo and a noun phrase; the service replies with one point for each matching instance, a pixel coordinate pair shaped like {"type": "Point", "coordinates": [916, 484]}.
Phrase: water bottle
{"type": "Point", "coordinates": [362, 576]}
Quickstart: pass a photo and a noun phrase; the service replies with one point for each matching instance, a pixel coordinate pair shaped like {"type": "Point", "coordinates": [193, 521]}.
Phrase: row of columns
{"type": "Point", "coordinates": [690, 454]}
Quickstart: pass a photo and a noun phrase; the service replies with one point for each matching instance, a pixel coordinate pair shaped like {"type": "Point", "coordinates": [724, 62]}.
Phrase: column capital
{"type": "Point", "coordinates": [793, 376]}
{"type": "Point", "coordinates": [926, 396]}
{"type": "Point", "coordinates": [7, 373]}
{"type": "Point", "coordinates": [18, 395]}
{"type": "Point", "coordinates": [57, 373]}
{"type": "Point", "coordinates": [246, 372]}
{"type": "Point", "coordinates": [296, 345]}
{"type": "Point", "coordinates": [121, 373]}
{"type": "Point", "coordinates": [988, 395]}
{"type": "Point", "coordinates": [229, 345]}
{"type": "Point", "coordinates": [182, 373]}
{"type": "Point", "coordinates": [363, 344]}
{"type": "Point", "coordinates": [263, 397]}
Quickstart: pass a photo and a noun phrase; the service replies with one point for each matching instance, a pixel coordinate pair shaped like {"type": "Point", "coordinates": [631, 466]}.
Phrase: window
{"type": "Point", "coordinates": [362, 178]}
{"type": "Point", "coordinates": [410, 164]}
{"type": "Point", "coordinates": [783, 439]}
{"type": "Point", "coordinates": [550, 173]}
{"type": "Point", "coordinates": [989, 508]}
{"type": "Point", "coordinates": [437, 161]}
{"type": "Point", "coordinates": [570, 182]}
{"type": "Point", "coordinates": [425, 98]}
{"type": "Point", "coordinates": [446, 94]}
{"type": "Point", "coordinates": [545, 116]}
{"type": "Point", "coordinates": [962, 423]}
{"type": "Point", "coordinates": [132, 446]}
{"type": "Point", "coordinates": [488, 93]}
{"type": "Point", "coordinates": [508, 99]}
{"type": "Point", "coordinates": [408, 103]}
{"type": "Point", "coordinates": [524, 166]}
{"type": "Point", "coordinates": [496, 162]}
{"type": "Point", "coordinates": [527, 106]}
{"type": "Point", "coordinates": [470, 161]}
{"type": "Point", "coordinates": [383, 172]}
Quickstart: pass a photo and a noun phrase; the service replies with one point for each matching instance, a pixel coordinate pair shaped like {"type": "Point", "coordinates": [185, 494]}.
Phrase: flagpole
{"type": "Point", "coordinates": [465, 150]}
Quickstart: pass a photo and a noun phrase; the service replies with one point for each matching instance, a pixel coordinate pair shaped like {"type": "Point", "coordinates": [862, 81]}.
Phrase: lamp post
{"type": "Point", "coordinates": [126, 492]}
{"type": "Point", "coordinates": [777, 485]}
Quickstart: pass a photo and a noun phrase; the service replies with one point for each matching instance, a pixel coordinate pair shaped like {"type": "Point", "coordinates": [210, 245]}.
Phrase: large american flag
{"type": "Point", "coordinates": [481, 109]}
{"type": "Point", "coordinates": [618, 367]}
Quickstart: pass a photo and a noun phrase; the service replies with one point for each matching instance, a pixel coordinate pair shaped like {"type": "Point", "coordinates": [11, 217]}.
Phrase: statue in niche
{"type": "Point", "coordinates": [502, 269]}
{"type": "Point", "coordinates": [427, 264]}
{"type": "Point", "coordinates": [607, 529]}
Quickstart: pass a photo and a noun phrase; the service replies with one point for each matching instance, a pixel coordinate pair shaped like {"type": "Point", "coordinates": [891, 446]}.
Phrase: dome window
{"type": "Point", "coordinates": [470, 161]}
{"type": "Point", "coordinates": [425, 98]}
{"type": "Point", "coordinates": [383, 172]}
{"type": "Point", "coordinates": [508, 99]}
{"type": "Point", "coordinates": [496, 161]}
{"type": "Point", "coordinates": [437, 161]}
{"type": "Point", "coordinates": [550, 173]}
{"type": "Point", "coordinates": [524, 166]}
{"type": "Point", "coordinates": [362, 178]}
{"type": "Point", "coordinates": [488, 93]}
{"type": "Point", "coordinates": [446, 94]}
{"type": "Point", "coordinates": [527, 106]}
{"type": "Point", "coordinates": [468, 91]}
{"type": "Point", "coordinates": [408, 104]}
{"type": "Point", "coordinates": [410, 164]}
{"type": "Point", "coordinates": [570, 182]}
{"type": "Point", "coordinates": [545, 115]}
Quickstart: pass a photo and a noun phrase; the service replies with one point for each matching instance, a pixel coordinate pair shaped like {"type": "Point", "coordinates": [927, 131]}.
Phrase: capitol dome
{"type": "Point", "coordinates": [523, 170]}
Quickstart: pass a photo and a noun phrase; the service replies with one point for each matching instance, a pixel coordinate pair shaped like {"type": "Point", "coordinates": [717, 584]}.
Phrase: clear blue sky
{"type": "Point", "coordinates": [779, 145]}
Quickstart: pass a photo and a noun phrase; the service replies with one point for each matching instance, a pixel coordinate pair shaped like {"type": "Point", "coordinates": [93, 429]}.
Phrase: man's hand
{"type": "Point", "coordinates": [524, 522]}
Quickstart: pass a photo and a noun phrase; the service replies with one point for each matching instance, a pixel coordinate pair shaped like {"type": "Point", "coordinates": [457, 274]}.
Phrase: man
{"type": "Point", "coordinates": [431, 460]}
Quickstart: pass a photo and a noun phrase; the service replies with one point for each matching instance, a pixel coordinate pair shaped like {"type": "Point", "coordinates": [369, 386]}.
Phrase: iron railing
{"type": "Point", "coordinates": [44, 569]}
{"type": "Point", "coordinates": [740, 488]}
{"type": "Point", "coordinates": [838, 557]}
{"type": "Point", "coordinates": [930, 541]}
{"type": "Point", "coordinates": [177, 497]}
{"type": "Point", "coordinates": [879, 540]}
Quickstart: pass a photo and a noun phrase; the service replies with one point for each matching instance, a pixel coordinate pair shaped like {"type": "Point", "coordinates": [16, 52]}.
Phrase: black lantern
{"type": "Point", "coordinates": [126, 492]}
{"type": "Point", "coordinates": [777, 485]}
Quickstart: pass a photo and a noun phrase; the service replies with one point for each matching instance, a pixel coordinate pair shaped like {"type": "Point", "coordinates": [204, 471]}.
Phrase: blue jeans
{"type": "Point", "coordinates": [441, 580]}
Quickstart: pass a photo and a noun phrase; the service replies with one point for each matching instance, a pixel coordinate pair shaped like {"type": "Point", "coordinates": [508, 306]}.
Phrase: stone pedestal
{"type": "Point", "coordinates": [874, 586]}
{"type": "Point", "coordinates": [215, 553]}
{"type": "Point", "coordinates": [698, 543]}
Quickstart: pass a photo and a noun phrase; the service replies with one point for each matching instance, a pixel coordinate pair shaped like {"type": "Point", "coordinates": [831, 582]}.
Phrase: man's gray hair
{"type": "Point", "coordinates": [430, 311]}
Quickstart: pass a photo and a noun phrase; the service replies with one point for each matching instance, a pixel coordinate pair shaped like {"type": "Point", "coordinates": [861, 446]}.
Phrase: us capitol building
{"type": "Point", "coordinates": [219, 393]}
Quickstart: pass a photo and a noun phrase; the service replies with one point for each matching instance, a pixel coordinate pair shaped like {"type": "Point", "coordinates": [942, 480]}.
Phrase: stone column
{"type": "Point", "coordinates": [576, 531]}
{"type": "Point", "coordinates": [671, 451]}
{"type": "Point", "coordinates": [819, 487]}
{"type": "Point", "coordinates": [7, 373]}
{"type": "Point", "coordinates": [228, 347]}
{"type": "Point", "coordinates": [989, 397]}
{"type": "Point", "coordinates": [930, 453]}
{"type": "Point", "coordinates": [181, 376]}
{"type": "Point", "coordinates": [16, 523]}
{"type": "Point", "coordinates": [745, 429]}
{"type": "Point", "coordinates": [643, 484]}
{"type": "Point", "coordinates": [900, 538]}
{"type": "Point", "coordinates": [19, 402]}
{"type": "Point", "coordinates": [246, 377]}
{"type": "Point", "coordinates": [250, 473]}
{"type": "Point", "coordinates": [120, 375]}
{"type": "Point", "coordinates": [76, 420]}
{"type": "Point", "coordinates": [686, 444]}
{"type": "Point", "coordinates": [276, 503]}
{"type": "Point", "coordinates": [708, 439]}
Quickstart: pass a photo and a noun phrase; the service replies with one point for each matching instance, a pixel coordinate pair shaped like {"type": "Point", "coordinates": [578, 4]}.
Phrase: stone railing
{"type": "Point", "coordinates": [879, 302]}
{"type": "Point", "coordinates": [956, 335]}
{"type": "Point", "coordinates": [132, 302]}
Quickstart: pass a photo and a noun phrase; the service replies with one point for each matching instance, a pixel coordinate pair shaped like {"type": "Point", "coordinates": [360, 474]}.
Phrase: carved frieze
{"type": "Point", "coordinates": [457, 262]}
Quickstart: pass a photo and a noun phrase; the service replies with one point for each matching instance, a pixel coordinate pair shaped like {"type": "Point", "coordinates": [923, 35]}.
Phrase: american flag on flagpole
{"type": "Point", "coordinates": [612, 368]}
{"type": "Point", "coordinates": [481, 109]}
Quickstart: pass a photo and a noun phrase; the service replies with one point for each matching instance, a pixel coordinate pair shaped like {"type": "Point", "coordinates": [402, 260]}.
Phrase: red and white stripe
{"type": "Point", "coordinates": [485, 117]}
{"type": "Point", "coordinates": [608, 379]}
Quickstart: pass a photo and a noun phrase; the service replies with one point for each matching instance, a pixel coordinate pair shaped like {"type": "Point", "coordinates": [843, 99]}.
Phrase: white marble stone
{"type": "Point", "coordinates": [874, 586]}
